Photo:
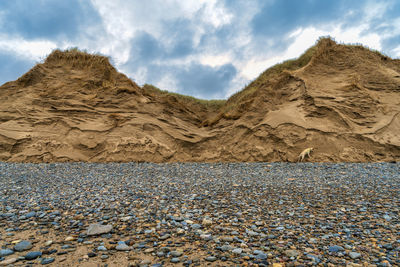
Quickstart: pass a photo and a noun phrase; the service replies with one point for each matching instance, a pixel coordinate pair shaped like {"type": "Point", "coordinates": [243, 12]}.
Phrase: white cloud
{"type": "Point", "coordinates": [32, 50]}
{"type": "Point", "coordinates": [123, 19]}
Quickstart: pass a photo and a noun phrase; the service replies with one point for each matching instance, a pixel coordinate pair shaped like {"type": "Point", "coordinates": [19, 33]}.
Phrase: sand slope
{"type": "Point", "coordinates": [343, 100]}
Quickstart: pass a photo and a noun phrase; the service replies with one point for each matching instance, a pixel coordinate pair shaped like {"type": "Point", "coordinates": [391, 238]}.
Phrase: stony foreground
{"type": "Point", "coordinates": [200, 214]}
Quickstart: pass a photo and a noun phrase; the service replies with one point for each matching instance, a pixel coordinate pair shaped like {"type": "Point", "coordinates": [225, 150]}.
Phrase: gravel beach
{"type": "Point", "coordinates": [199, 214]}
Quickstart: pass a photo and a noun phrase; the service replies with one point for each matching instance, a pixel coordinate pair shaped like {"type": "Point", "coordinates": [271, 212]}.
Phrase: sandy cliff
{"type": "Point", "coordinates": [342, 100]}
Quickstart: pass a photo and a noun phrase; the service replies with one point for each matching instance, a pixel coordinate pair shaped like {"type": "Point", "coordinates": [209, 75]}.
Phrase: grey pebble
{"type": "Point", "coordinates": [6, 252]}
{"type": "Point", "coordinates": [211, 258]}
{"type": "Point", "coordinates": [45, 261]}
{"type": "Point", "coordinates": [23, 245]}
{"type": "Point", "coordinates": [33, 255]}
{"type": "Point", "coordinates": [175, 260]}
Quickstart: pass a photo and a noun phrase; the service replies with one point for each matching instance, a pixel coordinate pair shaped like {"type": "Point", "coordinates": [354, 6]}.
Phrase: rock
{"type": "Point", "coordinates": [70, 238]}
{"type": "Point", "coordinates": [354, 255]}
{"type": "Point", "coordinates": [104, 257]}
{"type": "Point", "coordinates": [176, 253]}
{"type": "Point", "coordinates": [206, 237]}
{"type": "Point", "coordinates": [175, 260]}
{"type": "Point", "coordinates": [211, 258]}
{"type": "Point", "coordinates": [207, 222]}
{"type": "Point", "coordinates": [261, 256]}
{"type": "Point", "coordinates": [48, 243]}
{"type": "Point", "coordinates": [292, 253]}
{"type": "Point", "coordinates": [237, 251]}
{"type": "Point", "coordinates": [196, 226]}
{"type": "Point", "coordinates": [335, 248]}
{"type": "Point", "coordinates": [122, 246]}
{"type": "Point", "coordinates": [126, 218]}
{"type": "Point", "coordinates": [91, 254]}
{"type": "Point", "coordinates": [33, 255]}
{"type": "Point", "coordinates": [101, 248]}
{"type": "Point", "coordinates": [30, 214]}
{"type": "Point", "coordinates": [8, 261]}
{"type": "Point", "coordinates": [98, 229]}
{"type": "Point", "coordinates": [165, 237]}
{"type": "Point", "coordinates": [226, 248]}
{"type": "Point", "coordinates": [149, 250]}
{"type": "Point", "coordinates": [47, 261]}
{"type": "Point", "coordinates": [6, 252]}
{"type": "Point", "coordinates": [23, 245]}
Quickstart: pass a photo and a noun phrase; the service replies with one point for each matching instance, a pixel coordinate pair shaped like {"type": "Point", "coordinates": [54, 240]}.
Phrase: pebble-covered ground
{"type": "Point", "coordinates": [198, 214]}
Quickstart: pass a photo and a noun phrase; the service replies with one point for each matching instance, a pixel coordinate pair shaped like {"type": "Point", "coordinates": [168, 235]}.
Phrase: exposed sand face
{"type": "Point", "coordinates": [76, 107]}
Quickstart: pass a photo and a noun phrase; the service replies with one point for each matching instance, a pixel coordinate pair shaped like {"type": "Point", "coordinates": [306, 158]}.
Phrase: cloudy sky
{"type": "Point", "coordinates": [204, 48]}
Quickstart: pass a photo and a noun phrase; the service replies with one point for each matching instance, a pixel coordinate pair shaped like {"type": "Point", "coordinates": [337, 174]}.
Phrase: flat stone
{"type": "Point", "coordinates": [23, 245]}
{"type": "Point", "coordinates": [206, 237]}
{"type": "Point", "coordinates": [164, 237]}
{"type": "Point", "coordinates": [354, 255]}
{"type": "Point", "coordinates": [211, 258]}
{"type": "Point", "coordinates": [176, 253]}
{"type": "Point", "coordinates": [175, 260]}
{"type": "Point", "coordinates": [261, 256]}
{"type": "Point", "coordinates": [47, 261]}
{"type": "Point", "coordinates": [149, 250]}
{"type": "Point", "coordinates": [6, 252]}
{"type": "Point", "coordinates": [226, 248]}
{"type": "Point", "coordinates": [237, 251]}
{"type": "Point", "coordinates": [292, 253]}
{"type": "Point", "coordinates": [30, 214]}
{"type": "Point", "coordinates": [98, 229]}
{"type": "Point", "coordinates": [122, 246]}
{"type": "Point", "coordinates": [33, 255]}
{"type": "Point", "coordinates": [70, 238]}
{"type": "Point", "coordinates": [101, 248]}
{"type": "Point", "coordinates": [8, 261]}
{"type": "Point", "coordinates": [207, 222]}
{"type": "Point", "coordinates": [335, 248]}
{"type": "Point", "coordinates": [126, 218]}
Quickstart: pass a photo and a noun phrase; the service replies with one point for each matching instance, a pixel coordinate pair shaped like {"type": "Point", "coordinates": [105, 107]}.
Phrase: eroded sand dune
{"type": "Point", "coordinates": [342, 100]}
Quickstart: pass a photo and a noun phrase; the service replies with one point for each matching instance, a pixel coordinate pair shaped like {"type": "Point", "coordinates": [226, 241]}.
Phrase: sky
{"type": "Point", "coordinates": [204, 48]}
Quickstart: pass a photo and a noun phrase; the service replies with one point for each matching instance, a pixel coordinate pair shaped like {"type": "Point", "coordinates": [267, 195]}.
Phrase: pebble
{"type": "Point", "coordinates": [176, 253]}
{"type": "Point", "coordinates": [45, 261]}
{"type": "Point", "coordinates": [101, 248]}
{"type": "Point", "coordinates": [211, 258]}
{"type": "Point", "coordinates": [70, 238]}
{"type": "Point", "coordinates": [237, 251]}
{"type": "Point", "coordinates": [206, 237]}
{"type": "Point", "coordinates": [354, 255]}
{"type": "Point", "coordinates": [122, 246]}
{"type": "Point", "coordinates": [175, 260]}
{"type": "Point", "coordinates": [98, 229]}
{"type": "Point", "coordinates": [292, 253]}
{"type": "Point", "coordinates": [33, 255]}
{"type": "Point", "coordinates": [23, 245]}
{"type": "Point", "coordinates": [6, 252]}
{"type": "Point", "coordinates": [239, 213]}
{"type": "Point", "coordinates": [8, 261]}
{"type": "Point", "coordinates": [335, 248]}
